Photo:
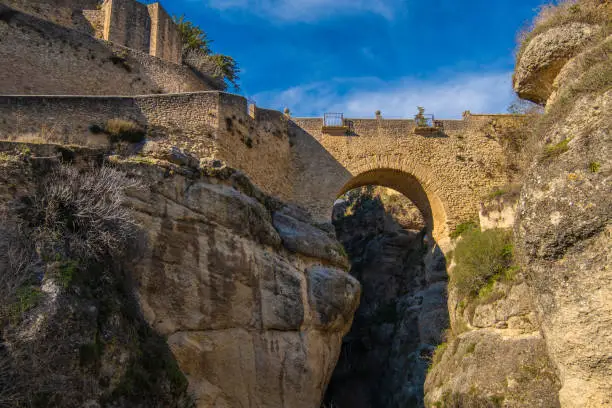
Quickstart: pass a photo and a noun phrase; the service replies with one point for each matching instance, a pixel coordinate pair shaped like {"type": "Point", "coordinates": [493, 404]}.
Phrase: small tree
{"type": "Point", "coordinates": [229, 68]}
{"type": "Point", "coordinates": [420, 119]}
{"type": "Point", "coordinates": [193, 37]}
{"type": "Point", "coordinates": [198, 55]}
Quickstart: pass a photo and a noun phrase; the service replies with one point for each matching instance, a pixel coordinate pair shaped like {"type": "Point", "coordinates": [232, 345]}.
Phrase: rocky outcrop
{"type": "Point", "coordinates": [495, 355]}
{"type": "Point", "coordinates": [564, 228]}
{"type": "Point", "coordinates": [253, 314]}
{"type": "Point", "coordinates": [544, 57]}
{"type": "Point", "coordinates": [254, 301]}
{"type": "Point", "coordinates": [565, 211]}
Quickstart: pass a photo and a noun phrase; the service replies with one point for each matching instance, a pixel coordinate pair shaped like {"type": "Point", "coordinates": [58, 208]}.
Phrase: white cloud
{"type": "Point", "coordinates": [309, 10]}
{"type": "Point", "coordinates": [361, 97]}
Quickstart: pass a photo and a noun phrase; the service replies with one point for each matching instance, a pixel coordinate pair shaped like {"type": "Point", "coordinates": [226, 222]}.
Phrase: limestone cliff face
{"type": "Point", "coordinates": [252, 298]}
{"type": "Point", "coordinates": [542, 338]}
{"type": "Point", "coordinates": [565, 209]}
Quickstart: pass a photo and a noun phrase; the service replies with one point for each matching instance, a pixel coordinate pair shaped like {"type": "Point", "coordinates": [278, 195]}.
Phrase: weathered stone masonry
{"type": "Point", "coordinates": [38, 57]}
{"type": "Point", "coordinates": [207, 124]}
{"type": "Point", "coordinates": [446, 173]}
{"type": "Point", "coordinates": [128, 23]}
{"type": "Point", "coordinates": [141, 27]}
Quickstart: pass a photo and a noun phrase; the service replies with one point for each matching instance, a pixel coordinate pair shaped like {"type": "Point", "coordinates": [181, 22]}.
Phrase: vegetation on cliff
{"type": "Point", "coordinates": [595, 12]}
{"type": "Point", "coordinates": [71, 331]}
{"type": "Point", "coordinates": [481, 258]}
{"type": "Point", "coordinates": [199, 56]}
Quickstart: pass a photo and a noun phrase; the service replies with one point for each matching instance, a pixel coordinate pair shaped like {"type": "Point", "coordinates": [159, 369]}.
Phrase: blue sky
{"type": "Point", "coordinates": [357, 56]}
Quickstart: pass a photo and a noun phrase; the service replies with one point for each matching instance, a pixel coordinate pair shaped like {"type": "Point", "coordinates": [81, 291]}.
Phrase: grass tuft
{"type": "Point", "coordinates": [120, 130]}
{"type": "Point", "coordinates": [463, 228]}
{"type": "Point", "coordinates": [594, 167]}
{"type": "Point", "coordinates": [554, 150]}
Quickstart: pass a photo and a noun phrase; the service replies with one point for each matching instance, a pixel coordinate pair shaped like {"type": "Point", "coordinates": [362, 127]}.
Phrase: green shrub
{"type": "Point", "coordinates": [67, 273]}
{"type": "Point", "coordinates": [462, 228]}
{"type": "Point", "coordinates": [480, 256]}
{"type": "Point", "coordinates": [26, 298]}
{"type": "Point", "coordinates": [594, 167]}
{"type": "Point", "coordinates": [553, 150]}
{"type": "Point", "coordinates": [509, 190]}
{"type": "Point", "coordinates": [198, 55]}
{"type": "Point", "coordinates": [438, 353]}
{"type": "Point", "coordinates": [120, 130]}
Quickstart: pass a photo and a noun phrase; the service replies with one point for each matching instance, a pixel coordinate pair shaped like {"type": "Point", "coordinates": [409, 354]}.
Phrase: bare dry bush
{"type": "Point", "coordinates": [82, 214]}
{"type": "Point", "coordinates": [18, 263]}
{"type": "Point", "coordinates": [9, 394]}
{"type": "Point", "coordinates": [77, 216]}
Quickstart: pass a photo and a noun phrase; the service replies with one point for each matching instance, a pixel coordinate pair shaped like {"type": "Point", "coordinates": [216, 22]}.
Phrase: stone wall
{"type": "Point", "coordinates": [165, 38]}
{"type": "Point", "coordinates": [257, 144]}
{"type": "Point", "coordinates": [39, 57]}
{"type": "Point", "coordinates": [74, 14]}
{"type": "Point", "coordinates": [145, 28]}
{"type": "Point", "coordinates": [206, 124]}
{"type": "Point", "coordinates": [128, 23]}
{"type": "Point", "coordinates": [187, 121]}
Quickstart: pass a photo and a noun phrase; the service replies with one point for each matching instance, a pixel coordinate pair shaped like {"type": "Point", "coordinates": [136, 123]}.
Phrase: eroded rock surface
{"type": "Point", "coordinates": [250, 313]}
{"type": "Point", "coordinates": [564, 226]}
{"type": "Point", "coordinates": [254, 314]}
{"type": "Point", "coordinates": [544, 57]}
{"type": "Point", "coordinates": [565, 211]}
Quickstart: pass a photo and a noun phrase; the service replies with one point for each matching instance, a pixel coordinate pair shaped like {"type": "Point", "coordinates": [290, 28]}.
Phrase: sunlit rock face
{"type": "Point", "coordinates": [565, 209]}
{"type": "Point", "coordinates": [253, 298]}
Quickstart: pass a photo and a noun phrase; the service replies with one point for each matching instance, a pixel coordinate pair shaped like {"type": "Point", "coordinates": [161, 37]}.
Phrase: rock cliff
{"type": "Point", "coordinates": [403, 311]}
{"type": "Point", "coordinates": [539, 334]}
{"type": "Point", "coordinates": [565, 210]}
{"type": "Point", "coordinates": [252, 297]}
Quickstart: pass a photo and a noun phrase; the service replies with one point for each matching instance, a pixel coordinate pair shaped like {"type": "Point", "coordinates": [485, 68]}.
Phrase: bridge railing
{"type": "Point", "coordinates": [333, 120]}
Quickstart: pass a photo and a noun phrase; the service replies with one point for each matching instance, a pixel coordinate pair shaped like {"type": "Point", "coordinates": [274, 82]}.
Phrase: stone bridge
{"type": "Point", "coordinates": [445, 172]}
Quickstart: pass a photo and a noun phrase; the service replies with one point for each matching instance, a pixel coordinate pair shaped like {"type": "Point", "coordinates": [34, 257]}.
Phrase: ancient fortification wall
{"type": "Point", "coordinates": [207, 124]}
{"type": "Point", "coordinates": [39, 57]}
{"type": "Point", "coordinates": [66, 13]}
{"type": "Point", "coordinates": [165, 40]}
{"type": "Point", "coordinates": [446, 174]}
{"type": "Point", "coordinates": [256, 141]}
{"type": "Point", "coordinates": [145, 28]}
{"type": "Point", "coordinates": [128, 23]}
{"type": "Point", "coordinates": [187, 121]}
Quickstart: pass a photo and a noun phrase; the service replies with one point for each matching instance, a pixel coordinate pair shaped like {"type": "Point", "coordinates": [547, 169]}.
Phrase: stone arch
{"type": "Point", "coordinates": [409, 185]}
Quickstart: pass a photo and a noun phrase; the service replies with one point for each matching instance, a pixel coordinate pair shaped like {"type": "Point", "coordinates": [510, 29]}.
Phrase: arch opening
{"type": "Point", "coordinates": [403, 309]}
{"type": "Point", "coordinates": [427, 202]}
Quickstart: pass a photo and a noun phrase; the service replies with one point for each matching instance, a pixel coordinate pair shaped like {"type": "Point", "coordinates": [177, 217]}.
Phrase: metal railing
{"type": "Point", "coordinates": [333, 120]}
